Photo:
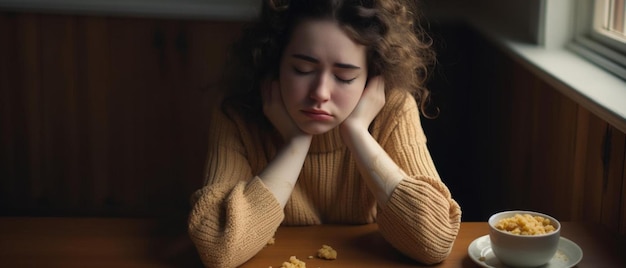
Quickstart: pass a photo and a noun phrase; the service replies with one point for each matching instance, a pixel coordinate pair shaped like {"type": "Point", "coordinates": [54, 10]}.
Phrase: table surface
{"type": "Point", "coordinates": [114, 242]}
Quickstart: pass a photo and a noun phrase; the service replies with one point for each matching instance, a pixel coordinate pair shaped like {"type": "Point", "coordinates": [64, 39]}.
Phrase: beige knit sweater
{"type": "Point", "coordinates": [234, 215]}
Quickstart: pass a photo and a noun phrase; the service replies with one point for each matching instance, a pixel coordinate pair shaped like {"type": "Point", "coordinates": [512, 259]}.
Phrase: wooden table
{"type": "Point", "coordinates": [113, 242]}
{"type": "Point", "coordinates": [363, 246]}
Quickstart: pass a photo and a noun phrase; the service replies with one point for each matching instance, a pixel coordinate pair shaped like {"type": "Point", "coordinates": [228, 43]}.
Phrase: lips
{"type": "Point", "coordinates": [317, 114]}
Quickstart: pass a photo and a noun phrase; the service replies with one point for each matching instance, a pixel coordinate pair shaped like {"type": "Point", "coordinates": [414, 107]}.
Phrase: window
{"type": "Point", "coordinates": [601, 33]}
{"type": "Point", "coordinates": [609, 22]}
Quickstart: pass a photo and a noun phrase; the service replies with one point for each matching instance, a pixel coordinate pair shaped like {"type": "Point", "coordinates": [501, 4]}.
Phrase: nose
{"type": "Point", "coordinates": [321, 89]}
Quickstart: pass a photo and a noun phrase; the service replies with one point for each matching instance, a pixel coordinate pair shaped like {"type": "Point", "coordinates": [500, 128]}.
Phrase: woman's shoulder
{"type": "Point", "coordinates": [237, 122]}
{"type": "Point", "coordinates": [399, 102]}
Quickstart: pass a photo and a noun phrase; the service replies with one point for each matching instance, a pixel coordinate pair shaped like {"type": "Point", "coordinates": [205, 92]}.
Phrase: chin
{"type": "Point", "coordinates": [317, 129]}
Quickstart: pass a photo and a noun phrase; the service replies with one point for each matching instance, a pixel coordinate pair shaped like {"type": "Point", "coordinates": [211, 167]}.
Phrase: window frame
{"type": "Point", "coordinates": [606, 37]}
{"type": "Point", "coordinates": [596, 47]}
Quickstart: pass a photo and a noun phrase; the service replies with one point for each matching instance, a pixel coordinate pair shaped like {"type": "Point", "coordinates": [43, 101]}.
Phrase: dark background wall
{"type": "Point", "coordinates": [106, 116]}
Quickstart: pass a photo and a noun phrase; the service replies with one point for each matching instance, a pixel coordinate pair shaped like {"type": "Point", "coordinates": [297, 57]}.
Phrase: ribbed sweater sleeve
{"type": "Point", "coordinates": [234, 214]}
{"type": "Point", "coordinates": [420, 219]}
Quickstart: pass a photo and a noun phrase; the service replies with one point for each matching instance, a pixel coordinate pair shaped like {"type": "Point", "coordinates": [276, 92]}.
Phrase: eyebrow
{"type": "Point", "coordinates": [314, 60]}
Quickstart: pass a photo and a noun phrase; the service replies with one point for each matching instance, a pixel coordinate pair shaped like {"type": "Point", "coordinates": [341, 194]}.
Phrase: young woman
{"type": "Point", "coordinates": [320, 124]}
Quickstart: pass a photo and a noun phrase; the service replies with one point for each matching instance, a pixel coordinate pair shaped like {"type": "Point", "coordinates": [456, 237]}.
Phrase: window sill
{"type": "Point", "coordinates": [595, 89]}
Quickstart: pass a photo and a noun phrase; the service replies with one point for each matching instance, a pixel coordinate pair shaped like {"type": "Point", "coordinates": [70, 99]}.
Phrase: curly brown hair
{"type": "Point", "coordinates": [398, 47]}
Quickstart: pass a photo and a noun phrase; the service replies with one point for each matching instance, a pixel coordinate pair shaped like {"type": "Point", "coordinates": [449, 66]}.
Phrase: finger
{"type": "Point", "coordinates": [376, 89]}
{"type": "Point", "coordinates": [373, 82]}
{"type": "Point", "coordinates": [381, 83]}
{"type": "Point", "coordinates": [381, 88]}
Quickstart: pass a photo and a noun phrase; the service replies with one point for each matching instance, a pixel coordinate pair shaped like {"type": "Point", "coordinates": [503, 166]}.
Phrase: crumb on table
{"type": "Point", "coordinates": [293, 263]}
{"type": "Point", "coordinates": [327, 253]}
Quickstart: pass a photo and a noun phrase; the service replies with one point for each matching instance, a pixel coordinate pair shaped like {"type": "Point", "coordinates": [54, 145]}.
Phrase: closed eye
{"type": "Point", "coordinates": [300, 71]}
{"type": "Point", "coordinates": [345, 81]}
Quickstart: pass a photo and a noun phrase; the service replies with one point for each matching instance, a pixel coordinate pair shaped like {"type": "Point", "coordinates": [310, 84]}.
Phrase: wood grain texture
{"type": "Point", "coordinates": [105, 115]}
{"type": "Point", "coordinates": [622, 222]}
{"type": "Point", "coordinates": [612, 183]}
{"type": "Point", "coordinates": [535, 148]}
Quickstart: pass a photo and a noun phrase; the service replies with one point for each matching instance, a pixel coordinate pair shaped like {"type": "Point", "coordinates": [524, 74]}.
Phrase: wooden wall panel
{"type": "Point", "coordinates": [517, 153]}
{"type": "Point", "coordinates": [135, 56]}
{"type": "Point", "coordinates": [593, 166]}
{"type": "Point", "coordinates": [553, 140]}
{"type": "Point", "coordinates": [578, 204]}
{"type": "Point", "coordinates": [622, 226]}
{"type": "Point", "coordinates": [105, 115]}
{"type": "Point", "coordinates": [535, 148]}
{"type": "Point", "coordinates": [21, 113]}
{"type": "Point", "coordinates": [62, 143]}
{"type": "Point", "coordinates": [29, 74]}
{"type": "Point", "coordinates": [7, 142]}
{"type": "Point", "coordinates": [612, 179]}
{"type": "Point", "coordinates": [526, 132]}
{"type": "Point", "coordinates": [94, 77]}
{"type": "Point", "coordinates": [485, 108]}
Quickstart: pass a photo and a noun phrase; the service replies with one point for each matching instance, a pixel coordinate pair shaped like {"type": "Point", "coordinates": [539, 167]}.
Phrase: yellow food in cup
{"type": "Point", "coordinates": [525, 224]}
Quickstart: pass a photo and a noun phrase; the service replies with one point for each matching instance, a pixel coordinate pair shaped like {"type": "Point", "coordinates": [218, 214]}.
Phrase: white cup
{"type": "Point", "coordinates": [523, 250]}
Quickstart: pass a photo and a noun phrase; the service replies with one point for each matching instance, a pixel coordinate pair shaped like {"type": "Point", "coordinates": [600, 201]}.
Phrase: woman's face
{"type": "Point", "coordinates": [322, 75]}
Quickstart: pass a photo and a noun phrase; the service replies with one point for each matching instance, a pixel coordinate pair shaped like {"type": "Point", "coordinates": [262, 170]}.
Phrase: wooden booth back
{"type": "Point", "coordinates": [105, 116]}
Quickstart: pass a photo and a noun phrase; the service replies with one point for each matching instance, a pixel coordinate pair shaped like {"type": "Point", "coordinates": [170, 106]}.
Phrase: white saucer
{"type": "Point", "coordinates": [567, 255]}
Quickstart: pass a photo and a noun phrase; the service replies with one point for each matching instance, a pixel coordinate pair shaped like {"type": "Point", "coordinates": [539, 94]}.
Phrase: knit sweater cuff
{"type": "Point", "coordinates": [229, 227]}
{"type": "Point", "coordinates": [421, 220]}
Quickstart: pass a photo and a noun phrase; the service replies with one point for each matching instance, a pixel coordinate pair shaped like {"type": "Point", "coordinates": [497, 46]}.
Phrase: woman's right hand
{"type": "Point", "coordinates": [275, 110]}
{"type": "Point", "coordinates": [281, 173]}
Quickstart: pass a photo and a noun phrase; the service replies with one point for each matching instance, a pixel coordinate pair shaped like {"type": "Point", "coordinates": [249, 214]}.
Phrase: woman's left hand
{"type": "Point", "coordinates": [370, 104]}
{"type": "Point", "coordinates": [380, 172]}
